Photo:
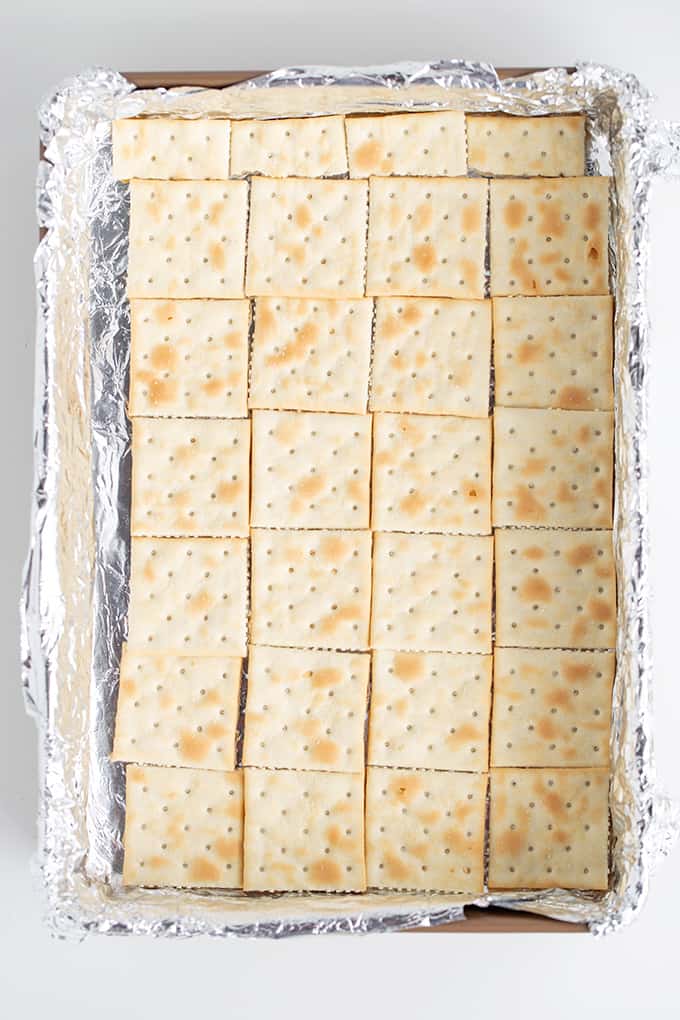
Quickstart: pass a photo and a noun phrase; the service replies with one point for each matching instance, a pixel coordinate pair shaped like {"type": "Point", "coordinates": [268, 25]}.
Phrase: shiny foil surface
{"type": "Point", "coordinates": [75, 588]}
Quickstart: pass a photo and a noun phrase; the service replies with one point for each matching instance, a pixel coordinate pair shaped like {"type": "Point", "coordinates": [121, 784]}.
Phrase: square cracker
{"type": "Point", "coordinates": [188, 596]}
{"type": "Point", "coordinates": [430, 710]}
{"type": "Point", "coordinates": [306, 238]}
{"type": "Point", "coordinates": [423, 144]}
{"type": "Point", "coordinates": [190, 477]}
{"type": "Point", "coordinates": [296, 147]}
{"type": "Point", "coordinates": [187, 239]}
{"type": "Point", "coordinates": [176, 710]}
{"type": "Point", "coordinates": [549, 828]}
{"type": "Point", "coordinates": [432, 593]}
{"type": "Point", "coordinates": [311, 470]}
{"type": "Point", "coordinates": [527, 146]}
{"type": "Point", "coordinates": [549, 237]}
{"type": "Point", "coordinates": [432, 356]}
{"type": "Point", "coordinates": [189, 359]}
{"type": "Point", "coordinates": [183, 827]}
{"type": "Point", "coordinates": [555, 589]}
{"type": "Point", "coordinates": [163, 149]}
{"type": "Point", "coordinates": [553, 468]}
{"type": "Point", "coordinates": [426, 237]}
{"type": "Point", "coordinates": [431, 473]}
{"type": "Point", "coordinates": [311, 589]}
{"type": "Point", "coordinates": [305, 709]}
{"type": "Point", "coordinates": [425, 830]}
{"type": "Point", "coordinates": [304, 831]}
{"type": "Point", "coordinates": [551, 707]}
{"type": "Point", "coordinates": [554, 352]}
{"type": "Point", "coordinates": [311, 354]}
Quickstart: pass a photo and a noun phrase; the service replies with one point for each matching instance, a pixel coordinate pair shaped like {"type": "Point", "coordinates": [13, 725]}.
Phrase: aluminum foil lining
{"type": "Point", "coordinates": [75, 587]}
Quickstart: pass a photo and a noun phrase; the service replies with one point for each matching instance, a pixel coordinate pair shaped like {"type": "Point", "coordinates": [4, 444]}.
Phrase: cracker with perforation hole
{"type": "Point", "coordinates": [430, 710]}
{"type": "Point", "coordinates": [425, 830]}
{"type": "Point", "coordinates": [311, 470]}
{"type": "Point", "coordinates": [176, 710]}
{"type": "Point", "coordinates": [412, 144]}
{"type": "Point", "coordinates": [162, 149]}
{"type": "Point", "coordinates": [549, 236]}
{"type": "Point", "coordinates": [306, 238]}
{"type": "Point", "coordinates": [305, 709]}
{"type": "Point", "coordinates": [311, 354]}
{"type": "Point", "coordinates": [426, 237]}
{"type": "Point", "coordinates": [527, 146]}
{"type": "Point", "coordinates": [183, 827]}
{"type": "Point", "coordinates": [187, 239]}
{"type": "Point", "coordinates": [549, 828]}
{"type": "Point", "coordinates": [188, 596]}
{"type": "Point", "coordinates": [554, 352]}
{"type": "Point", "coordinates": [432, 593]}
{"type": "Point", "coordinates": [555, 589]}
{"type": "Point", "coordinates": [296, 147]}
{"type": "Point", "coordinates": [431, 473]}
{"type": "Point", "coordinates": [190, 477]}
{"type": "Point", "coordinates": [551, 707]}
{"type": "Point", "coordinates": [189, 359]}
{"type": "Point", "coordinates": [432, 356]}
{"type": "Point", "coordinates": [311, 589]}
{"type": "Point", "coordinates": [304, 831]}
{"type": "Point", "coordinates": [553, 468]}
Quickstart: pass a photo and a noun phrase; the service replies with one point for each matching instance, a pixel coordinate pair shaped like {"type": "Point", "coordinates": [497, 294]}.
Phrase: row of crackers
{"type": "Point", "coordinates": [390, 472]}
{"type": "Point", "coordinates": [390, 236]}
{"type": "Point", "coordinates": [418, 355]}
{"type": "Point", "coordinates": [286, 830]}
{"type": "Point", "coordinates": [444, 143]}
{"type": "Point", "coordinates": [307, 709]}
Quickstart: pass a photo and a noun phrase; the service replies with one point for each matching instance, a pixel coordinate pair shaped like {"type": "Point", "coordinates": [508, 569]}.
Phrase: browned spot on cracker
{"type": "Point", "coordinates": [227, 848]}
{"type": "Point", "coordinates": [200, 602]}
{"type": "Point", "coordinates": [534, 466]}
{"type": "Point", "coordinates": [162, 391]}
{"type": "Point", "coordinates": [325, 751]}
{"type": "Point", "coordinates": [325, 677]}
{"type": "Point", "coordinates": [514, 213]}
{"type": "Point", "coordinates": [581, 555]}
{"type": "Point", "coordinates": [546, 729]}
{"type": "Point", "coordinates": [534, 552]}
{"type": "Point", "coordinates": [333, 548]}
{"type": "Point", "coordinates": [511, 842]}
{"type": "Point", "coordinates": [413, 503]}
{"type": "Point", "coordinates": [297, 348]}
{"type": "Point", "coordinates": [368, 154]}
{"type": "Point", "coordinates": [535, 589]}
{"type": "Point", "coordinates": [424, 257]}
{"type": "Point", "coordinates": [311, 486]}
{"type": "Point", "coordinates": [406, 788]}
{"type": "Point", "coordinates": [408, 667]}
{"type": "Point", "coordinates": [600, 610]}
{"type": "Point", "coordinates": [395, 868]}
{"type": "Point", "coordinates": [303, 217]}
{"type": "Point", "coordinates": [163, 356]}
{"type": "Point", "coordinates": [573, 397]}
{"type": "Point", "coordinates": [344, 614]}
{"type": "Point", "coordinates": [423, 216]}
{"type": "Point", "coordinates": [203, 871]}
{"type": "Point", "coordinates": [526, 505]}
{"type": "Point", "coordinates": [213, 386]}
{"type": "Point", "coordinates": [193, 746]}
{"type": "Point", "coordinates": [528, 352]}
{"type": "Point", "coordinates": [471, 219]}
{"type": "Point", "coordinates": [325, 872]}
{"type": "Point", "coordinates": [592, 216]}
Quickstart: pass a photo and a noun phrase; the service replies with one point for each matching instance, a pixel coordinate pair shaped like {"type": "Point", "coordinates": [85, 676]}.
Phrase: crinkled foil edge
{"type": "Point", "coordinates": [74, 593]}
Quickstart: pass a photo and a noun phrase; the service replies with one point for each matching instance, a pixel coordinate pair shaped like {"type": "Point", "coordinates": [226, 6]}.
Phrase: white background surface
{"type": "Point", "coordinates": [635, 972]}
